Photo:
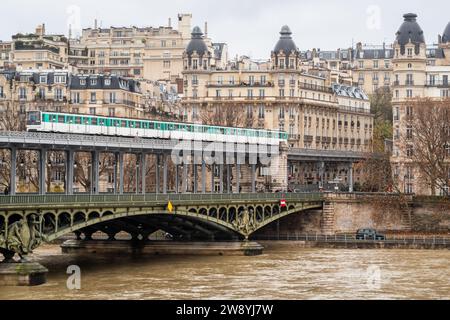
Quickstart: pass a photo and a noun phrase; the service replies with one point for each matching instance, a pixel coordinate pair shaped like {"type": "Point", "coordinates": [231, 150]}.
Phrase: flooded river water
{"type": "Point", "coordinates": [285, 271]}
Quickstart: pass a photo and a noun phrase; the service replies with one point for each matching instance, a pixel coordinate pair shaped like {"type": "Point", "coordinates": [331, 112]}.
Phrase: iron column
{"type": "Point", "coordinates": [70, 166]}
{"type": "Point", "coordinates": [12, 173]}
{"type": "Point", "coordinates": [143, 172]}
{"type": "Point", "coordinates": [42, 165]}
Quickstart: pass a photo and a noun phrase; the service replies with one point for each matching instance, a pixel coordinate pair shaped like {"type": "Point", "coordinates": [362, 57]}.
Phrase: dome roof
{"type": "Point", "coordinates": [446, 35]}
{"type": "Point", "coordinates": [410, 31]}
{"type": "Point", "coordinates": [197, 44]}
{"type": "Point", "coordinates": [285, 44]}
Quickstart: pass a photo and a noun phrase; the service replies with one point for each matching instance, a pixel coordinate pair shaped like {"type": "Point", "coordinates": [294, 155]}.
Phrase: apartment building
{"type": "Point", "coordinates": [419, 71]}
{"type": "Point", "coordinates": [39, 50]}
{"type": "Point", "coordinates": [279, 95]}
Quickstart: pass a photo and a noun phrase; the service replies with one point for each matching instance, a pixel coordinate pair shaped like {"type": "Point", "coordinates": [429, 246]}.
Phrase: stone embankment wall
{"type": "Point", "coordinates": [346, 213]}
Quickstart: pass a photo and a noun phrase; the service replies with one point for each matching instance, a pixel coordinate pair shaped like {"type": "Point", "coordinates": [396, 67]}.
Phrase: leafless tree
{"type": "Point", "coordinates": [426, 141]}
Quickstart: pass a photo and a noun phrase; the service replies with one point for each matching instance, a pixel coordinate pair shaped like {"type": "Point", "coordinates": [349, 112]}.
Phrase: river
{"type": "Point", "coordinates": [285, 271]}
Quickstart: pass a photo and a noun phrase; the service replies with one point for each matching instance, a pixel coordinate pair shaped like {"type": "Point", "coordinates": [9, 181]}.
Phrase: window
{"type": "Point", "coordinates": [82, 82]}
{"type": "Point", "coordinates": [43, 79]}
{"type": "Point", "coordinates": [93, 97]}
{"type": "Point", "coordinates": [93, 82]}
{"type": "Point", "coordinates": [409, 151]}
{"type": "Point", "coordinates": [107, 81]}
{"type": "Point", "coordinates": [444, 93]}
{"type": "Point", "coordinates": [91, 110]}
{"type": "Point", "coordinates": [112, 97]}
{"type": "Point", "coordinates": [251, 80]}
{"type": "Point", "coordinates": [409, 132]}
{"type": "Point", "coordinates": [263, 80]}
{"type": "Point", "coordinates": [261, 112]}
{"type": "Point", "coordinates": [281, 93]}
{"type": "Point", "coordinates": [250, 93]}
{"type": "Point", "coordinates": [22, 93]}
{"type": "Point", "coordinates": [361, 64]}
{"type": "Point", "coordinates": [59, 94]}
{"type": "Point", "coordinates": [163, 43]}
{"type": "Point", "coordinates": [195, 64]}
{"type": "Point", "coordinates": [75, 97]}
{"type": "Point", "coordinates": [166, 64]}
{"type": "Point", "coordinates": [249, 112]}
{"type": "Point", "coordinates": [262, 93]}
{"type": "Point", "coordinates": [409, 111]}
{"type": "Point", "coordinates": [42, 93]}
{"type": "Point", "coordinates": [60, 79]}
{"type": "Point", "coordinates": [409, 93]}
{"type": "Point", "coordinates": [1, 92]}
{"type": "Point", "coordinates": [375, 64]}
{"type": "Point", "coordinates": [410, 52]}
{"type": "Point", "coordinates": [111, 112]}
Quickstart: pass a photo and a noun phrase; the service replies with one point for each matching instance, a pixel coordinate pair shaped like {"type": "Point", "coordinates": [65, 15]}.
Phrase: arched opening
{"type": "Point", "coordinates": [93, 215]}
{"type": "Point", "coordinates": [267, 212]}
{"type": "Point", "coordinates": [275, 211]}
{"type": "Point", "coordinates": [107, 214]}
{"type": "Point", "coordinates": [2, 223]}
{"type": "Point", "coordinates": [193, 210]}
{"type": "Point", "coordinates": [223, 214]}
{"type": "Point", "coordinates": [259, 214]}
{"type": "Point", "coordinates": [203, 212]}
{"type": "Point", "coordinates": [232, 214]}
{"type": "Point", "coordinates": [64, 220]}
{"type": "Point", "coordinates": [213, 212]}
{"type": "Point", "coordinates": [49, 223]}
{"type": "Point", "coordinates": [13, 219]}
{"type": "Point", "coordinates": [79, 217]}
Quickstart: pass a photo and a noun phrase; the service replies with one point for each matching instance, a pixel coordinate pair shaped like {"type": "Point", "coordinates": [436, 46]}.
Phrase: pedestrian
{"type": "Point", "coordinates": [6, 191]}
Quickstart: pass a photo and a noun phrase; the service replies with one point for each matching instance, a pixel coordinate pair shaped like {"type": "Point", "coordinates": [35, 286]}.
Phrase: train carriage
{"type": "Point", "coordinates": [120, 127]}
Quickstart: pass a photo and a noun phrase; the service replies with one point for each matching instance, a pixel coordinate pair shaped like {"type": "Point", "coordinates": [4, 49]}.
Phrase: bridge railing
{"type": "Point", "coordinates": [155, 198]}
{"type": "Point", "coordinates": [347, 238]}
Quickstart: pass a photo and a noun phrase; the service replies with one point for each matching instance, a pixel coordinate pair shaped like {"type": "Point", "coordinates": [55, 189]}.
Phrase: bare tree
{"type": "Point", "coordinates": [426, 141]}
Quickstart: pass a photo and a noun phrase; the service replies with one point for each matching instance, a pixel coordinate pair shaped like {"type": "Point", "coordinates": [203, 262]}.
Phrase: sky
{"type": "Point", "coordinates": [249, 27]}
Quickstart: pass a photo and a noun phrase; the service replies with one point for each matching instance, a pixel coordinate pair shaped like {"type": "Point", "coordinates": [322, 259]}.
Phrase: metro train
{"type": "Point", "coordinates": [38, 121]}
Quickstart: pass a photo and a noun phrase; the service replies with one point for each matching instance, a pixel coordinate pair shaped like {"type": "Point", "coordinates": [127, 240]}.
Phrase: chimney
{"type": "Point", "coordinates": [43, 29]}
{"type": "Point", "coordinates": [95, 23]}
{"type": "Point", "coordinates": [206, 29]}
{"type": "Point", "coordinates": [170, 22]}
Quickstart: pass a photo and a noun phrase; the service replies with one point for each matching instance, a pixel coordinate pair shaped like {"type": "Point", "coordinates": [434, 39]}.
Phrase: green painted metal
{"type": "Point", "coordinates": [49, 217]}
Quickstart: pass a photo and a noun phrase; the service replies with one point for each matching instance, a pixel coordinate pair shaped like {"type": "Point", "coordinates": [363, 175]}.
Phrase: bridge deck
{"type": "Point", "coordinates": [49, 201]}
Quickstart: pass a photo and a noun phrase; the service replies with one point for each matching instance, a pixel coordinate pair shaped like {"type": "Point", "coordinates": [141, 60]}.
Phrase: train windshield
{"type": "Point", "coordinates": [34, 118]}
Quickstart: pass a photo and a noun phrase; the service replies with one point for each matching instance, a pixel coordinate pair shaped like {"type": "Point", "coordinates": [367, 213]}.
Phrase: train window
{"type": "Point", "coordinates": [123, 124]}
{"type": "Point", "coordinates": [94, 121]}
{"type": "Point", "coordinates": [86, 121]}
{"type": "Point", "coordinates": [61, 119]}
{"type": "Point", "coordinates": [77, 120]}
{"type": "Point", "coordinates": [54, 118]}
{"type": "Point", "coordinates": [138, 125]}
{"type": "Point", "coordinates": [151, 125]}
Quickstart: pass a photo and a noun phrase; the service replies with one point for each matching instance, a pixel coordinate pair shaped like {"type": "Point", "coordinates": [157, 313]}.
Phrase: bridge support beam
{"type": "Point", "coordinates": [221, 178]}
{"type": "Point", "coordinates": [12, 173]}
{"type": "Point", "coordinates": [70, 166]}
{"type": "Point", "coordinates": [143, 161]}
{"type": "Point", "coordinates": [229, 187]}
{"type": "Point", "coordinates": [158, 163]}
{"type": "Point", "coordinates": [42, 171]}
{"type": "Point", "coordinates": [350, 178]}
{"type": "Point", "coordinates": [184, 179]}
{"type": "Point", "coordinates": [195, 169]}
{"type": "Point", "coordinates": [121, 173]}
{"type": "Point", "coordinates": [253, 177]}
{"type": "Point", "coordinates": [213, 174]}
{"type": "Point", "coordinates": [203, 176]}
{"type": "Point", "coordinates": [238, 178]}
{"type": "Point", "coordinates": [177, 179]}
{"type": "Point", "coordinates": [165, 174]}
{"type": "Point", "coordinates": [95, 172]}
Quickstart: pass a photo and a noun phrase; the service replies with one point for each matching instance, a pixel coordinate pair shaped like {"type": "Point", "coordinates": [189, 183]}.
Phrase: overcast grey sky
{"type": "Point", "coordinates": [248, 26]}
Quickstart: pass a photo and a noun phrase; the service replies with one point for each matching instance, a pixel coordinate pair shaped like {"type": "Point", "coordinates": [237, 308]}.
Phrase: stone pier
{"type": "Point", "coordinates": [163, 248]}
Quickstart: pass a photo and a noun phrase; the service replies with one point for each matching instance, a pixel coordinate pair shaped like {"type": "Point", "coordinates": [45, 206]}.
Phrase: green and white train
{"type": "Point", "coordinates": [119, 127]}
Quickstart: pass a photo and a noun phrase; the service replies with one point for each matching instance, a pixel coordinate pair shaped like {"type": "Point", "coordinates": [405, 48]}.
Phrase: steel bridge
{"type": "Point", "coordinates": [28, 221]}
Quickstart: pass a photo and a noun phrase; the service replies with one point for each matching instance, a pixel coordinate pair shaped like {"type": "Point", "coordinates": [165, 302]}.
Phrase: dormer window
{"type": "Point", "coordinates": [82, 82]}
{"type": "Point", "coordinates": [107, 82]}
{"type": "Point", "coordinates": [43, 79]}
{"type": "Point", "coordinates": [93, 82]}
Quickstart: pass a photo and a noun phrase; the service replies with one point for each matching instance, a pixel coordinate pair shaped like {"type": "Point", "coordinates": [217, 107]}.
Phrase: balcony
{"type": "Point", "coordinates": [409, 82]}
{"type": "Point", "coordinates": [439, 84]}
{"type": "Point", "coordinates": [218, 84]}
{"type": "Point", "coordinates": [314, 87]}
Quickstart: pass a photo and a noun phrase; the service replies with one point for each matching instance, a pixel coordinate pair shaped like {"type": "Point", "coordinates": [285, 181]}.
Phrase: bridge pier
{"type": "Point", "coordinates": [168, 248]}
{"type": "Point", "coordinates": [16, 274]}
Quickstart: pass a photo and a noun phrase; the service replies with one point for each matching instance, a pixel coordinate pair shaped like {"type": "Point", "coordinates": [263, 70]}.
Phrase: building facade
{"type": "Point", "coordinates": [418, 72]}
{"type": "Point", "coordinates": [279, 95]}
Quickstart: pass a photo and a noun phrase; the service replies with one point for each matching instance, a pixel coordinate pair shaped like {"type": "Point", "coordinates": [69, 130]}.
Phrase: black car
{"type": "Point", "coordinates": [369, 234]}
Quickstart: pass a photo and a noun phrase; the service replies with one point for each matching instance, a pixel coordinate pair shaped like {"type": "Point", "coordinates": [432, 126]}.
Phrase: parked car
{"type": "Point", "coordinates": [369, 234]}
